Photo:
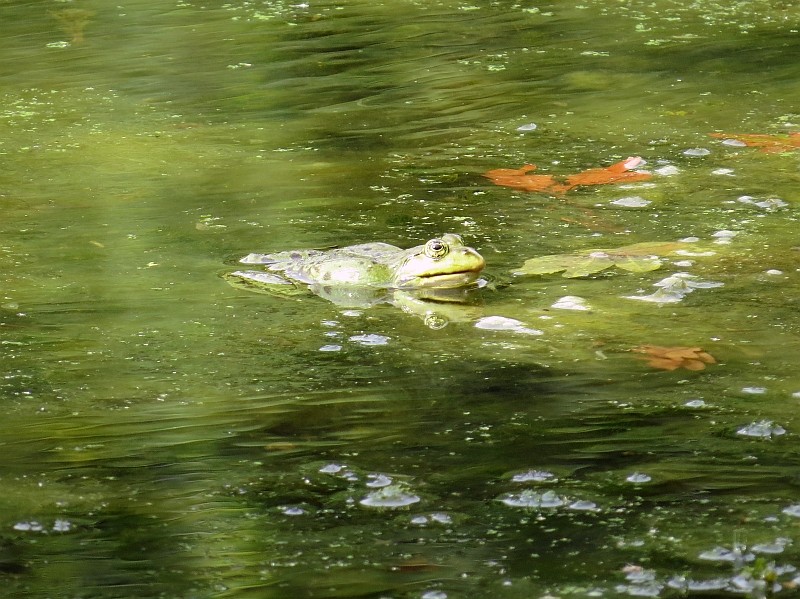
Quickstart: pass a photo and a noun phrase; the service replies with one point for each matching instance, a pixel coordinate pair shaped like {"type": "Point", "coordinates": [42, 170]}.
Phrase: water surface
{"type": "Point", "coordinates": [170, 435]}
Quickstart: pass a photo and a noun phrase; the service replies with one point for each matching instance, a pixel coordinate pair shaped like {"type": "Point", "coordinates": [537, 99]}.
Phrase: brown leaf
{"type": "Point", "coordinates": [681, 353]}
{"type": "Point", "coordinates": [518, 178]}
{"type": "Point", "coordinates": [615, 173]}
{"type": "Point", "coordinates": [672, 358]}
{"type": "Point", "coordinates": [693, 364]}
{"type": "Point", "coordinates": [664, 363]}
{"type": "Point", "coordinates": [706, 357]}
{"type": "Point", "coordinates": [767, 143]}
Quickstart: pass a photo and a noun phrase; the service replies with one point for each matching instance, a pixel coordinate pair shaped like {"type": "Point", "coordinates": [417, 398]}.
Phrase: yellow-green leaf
{"type": "Point", "coordinates": [637, 257]}
{"type": "Point", "coordinates": [638, 263]}
{"type": "Point", "coordinates": [648, 248]}
{"type": "Point", "coordinates": [583, 266]}
{"type": "Point", "coordinates": [545, 265]}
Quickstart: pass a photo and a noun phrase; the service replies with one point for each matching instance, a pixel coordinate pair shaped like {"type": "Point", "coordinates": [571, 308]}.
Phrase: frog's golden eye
{"type": "Point", "coordinates": [436, 248]}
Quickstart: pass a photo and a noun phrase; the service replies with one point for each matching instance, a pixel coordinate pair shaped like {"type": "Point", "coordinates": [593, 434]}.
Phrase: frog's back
{"type": "Point", "coordinates": [377, 251]}
{"type": "Point", "coordinates": [364, 264]}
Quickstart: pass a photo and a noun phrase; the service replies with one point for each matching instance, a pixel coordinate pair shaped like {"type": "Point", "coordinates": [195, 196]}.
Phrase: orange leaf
{"type": "Point", "coordinates": [693, 365]}
{"type": "Point", "coordinates": [650, 349]}
{"type": "Point", "coordinates": [681, 353]}
{"type": "Point", "coordinates": [615, 173]}
{"type": "Point", "coordinates": [663, 363]}
{"type": "Point", "coordinates": [767, 143]}
{"type": "Point", "coordinates": [672, 358]}
{"type": "Point", "coordinates": [510, 172]}
{"type": "Point", "coordinates": [518, 178]}
{"type": "Point", "coordinates": [706, 357]}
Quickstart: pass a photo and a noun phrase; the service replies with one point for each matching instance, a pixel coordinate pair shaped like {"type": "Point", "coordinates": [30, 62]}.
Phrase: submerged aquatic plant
{"type": "Point", "coordinates": [73, 22]}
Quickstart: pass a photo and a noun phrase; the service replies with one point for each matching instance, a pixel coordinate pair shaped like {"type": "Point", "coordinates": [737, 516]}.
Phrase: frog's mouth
{"type": "Point", "coordinates": [449, 279]}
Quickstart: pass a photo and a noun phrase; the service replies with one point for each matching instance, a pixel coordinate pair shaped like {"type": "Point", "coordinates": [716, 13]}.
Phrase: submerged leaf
{"type": "Point", "coordinates": [519, 178]}
{"type": "Point", "coordinates": [672, 358]}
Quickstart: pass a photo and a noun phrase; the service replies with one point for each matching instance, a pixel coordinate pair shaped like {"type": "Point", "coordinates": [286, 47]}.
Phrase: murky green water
{"type": "Point", "coordinates": [168, 435]}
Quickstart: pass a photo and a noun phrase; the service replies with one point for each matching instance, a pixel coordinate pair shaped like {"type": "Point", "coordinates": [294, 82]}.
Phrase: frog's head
{"type": "Point", "coordinates": [442, 262]}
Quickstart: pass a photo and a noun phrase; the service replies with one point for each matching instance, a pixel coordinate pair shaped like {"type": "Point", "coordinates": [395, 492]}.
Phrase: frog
{"type": "Point", "coordinates": [440, 271]}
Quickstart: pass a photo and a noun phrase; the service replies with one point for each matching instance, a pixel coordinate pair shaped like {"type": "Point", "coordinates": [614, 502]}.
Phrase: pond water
{"type": "Point", "coordinates": [169, 435]}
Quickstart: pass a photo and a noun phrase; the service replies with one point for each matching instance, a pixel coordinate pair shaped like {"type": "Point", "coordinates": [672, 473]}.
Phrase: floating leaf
{"type": "Point", "coordinates": [649, 247]}
{"type": "Point", "coordinates": [638, 257]}
{"type": "Point", "coordinates": [583, 266]}
{"type": "Point", "coordinates": [638, 263]}
{"type": "Point", "coordinates": [546, 265]}
{"type": "Point", "coordinates": [574, 265]}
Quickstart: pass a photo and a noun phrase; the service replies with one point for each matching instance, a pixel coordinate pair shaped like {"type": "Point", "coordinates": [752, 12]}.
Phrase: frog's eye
{"type": "Point", "coordinates": [436, 248]}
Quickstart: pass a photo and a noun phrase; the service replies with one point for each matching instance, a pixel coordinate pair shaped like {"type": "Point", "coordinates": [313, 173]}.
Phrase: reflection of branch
{"type": "Point", "coordinates": [73, 21]}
